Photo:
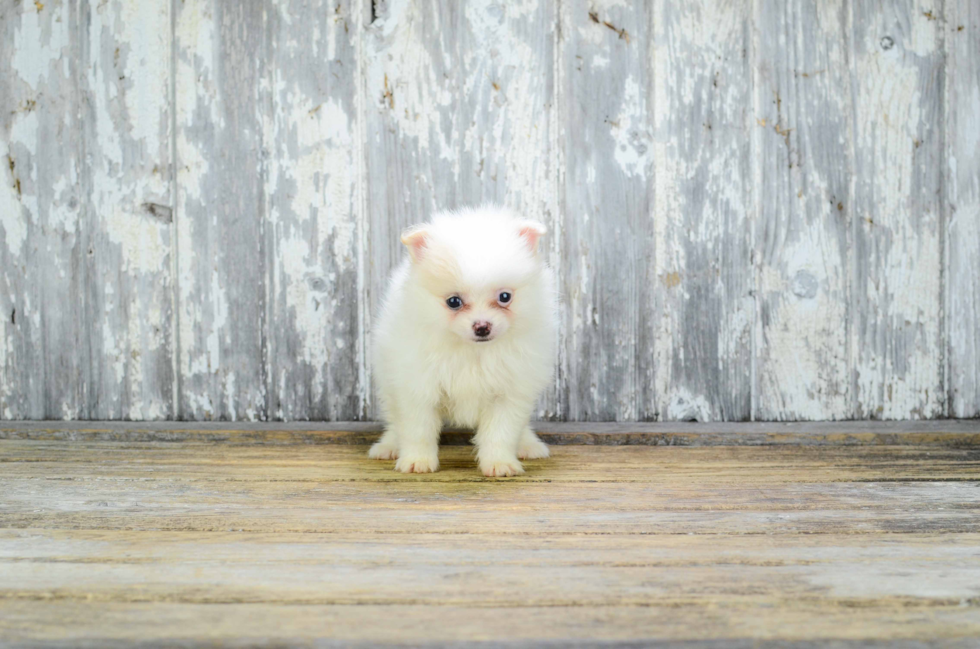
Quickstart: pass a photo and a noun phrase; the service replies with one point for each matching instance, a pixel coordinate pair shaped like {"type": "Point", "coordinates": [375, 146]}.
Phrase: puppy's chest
{"type": "Point", "coordinates": [464, 398]}
{"type": "Point", "coordinates": [470, 381]}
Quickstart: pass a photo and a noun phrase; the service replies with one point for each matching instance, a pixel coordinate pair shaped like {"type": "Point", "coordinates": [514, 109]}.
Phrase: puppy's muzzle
{"type": "Point", "coordinates": [482, 330]}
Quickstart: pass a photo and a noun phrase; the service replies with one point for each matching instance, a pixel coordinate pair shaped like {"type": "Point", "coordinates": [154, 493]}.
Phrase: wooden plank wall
{"type": "Point", "coordinates": [759, 210]}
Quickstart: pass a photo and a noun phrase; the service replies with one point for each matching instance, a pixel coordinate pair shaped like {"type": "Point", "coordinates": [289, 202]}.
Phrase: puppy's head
{"type": "Point", "coordinates": [478, 271]}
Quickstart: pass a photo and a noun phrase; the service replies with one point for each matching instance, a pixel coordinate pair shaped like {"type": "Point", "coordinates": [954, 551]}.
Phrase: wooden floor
{"type": "Point", "coordinates": [113, 535]}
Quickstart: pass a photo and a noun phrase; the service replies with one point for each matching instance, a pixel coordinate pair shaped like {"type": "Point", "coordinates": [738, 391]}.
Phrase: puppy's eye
{"type": "Point", "coordinates": [504, 298]}
{"type": "Point", "coordinates": [454, 302]}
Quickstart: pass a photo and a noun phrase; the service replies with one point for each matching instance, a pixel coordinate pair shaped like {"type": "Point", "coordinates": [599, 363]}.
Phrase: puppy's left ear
{"type": "Point", "coordinates": [416, 240]}
{"type": "Point", "coordinates": [531, 231]}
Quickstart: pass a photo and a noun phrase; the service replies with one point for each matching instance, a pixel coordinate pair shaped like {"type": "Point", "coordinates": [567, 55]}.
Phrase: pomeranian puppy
{"type": "Point", "coordinates": [466, 337]}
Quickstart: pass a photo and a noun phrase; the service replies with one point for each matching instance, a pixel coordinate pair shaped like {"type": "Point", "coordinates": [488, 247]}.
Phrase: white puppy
{"type": "Point", "coordinates": [466, 337]}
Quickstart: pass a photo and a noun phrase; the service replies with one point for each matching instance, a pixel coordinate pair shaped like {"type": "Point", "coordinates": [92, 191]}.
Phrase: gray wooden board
{"type": "Point", "coordinates": [702, 105]}
{"type": "Point", "coordinates": [312, 233]}
{"type": "Point", "coordinates": [267, 215]}
{"type": "Point", "coordinates": [37, 98]}
{"type": "Point", "coordinates": [962, 185]}
{"type": "Point", "coordinates": [801, 136]}
{"type": "Point", "coordinates": [757, 210]}
{"type": "Point", "coordinates": [896, 302]}
{"type": "Point", "coordinates": [221, 49]}
{"type": "Point", "coordinates": [85, 210]}
{"type": "Point", "coordinates": [607, 153]}
{"type": "Point", "coordinates": [124, 118]}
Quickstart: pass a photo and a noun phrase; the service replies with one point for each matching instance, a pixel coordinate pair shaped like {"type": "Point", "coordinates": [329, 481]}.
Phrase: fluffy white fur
{"type": "Point", "coordinates": [430, 362]}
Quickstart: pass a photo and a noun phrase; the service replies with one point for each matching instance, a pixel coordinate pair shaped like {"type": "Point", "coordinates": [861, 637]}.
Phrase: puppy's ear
{"type": "Point", "coordinates": [531, 231]}
{"type": "Point", "coordinates": [416, 240]}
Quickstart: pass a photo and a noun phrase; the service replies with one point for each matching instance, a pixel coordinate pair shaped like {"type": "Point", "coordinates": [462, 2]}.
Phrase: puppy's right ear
{"type": "Point", "coordinates": [416, 240]}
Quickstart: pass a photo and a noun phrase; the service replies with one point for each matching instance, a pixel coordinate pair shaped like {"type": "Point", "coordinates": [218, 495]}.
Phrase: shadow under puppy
{"type": "Point", "coordinates": [466, 337]}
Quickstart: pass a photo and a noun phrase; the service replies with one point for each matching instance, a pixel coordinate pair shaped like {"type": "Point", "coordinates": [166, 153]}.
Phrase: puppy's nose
{"type": "Point", "coordinates": [481, 329]}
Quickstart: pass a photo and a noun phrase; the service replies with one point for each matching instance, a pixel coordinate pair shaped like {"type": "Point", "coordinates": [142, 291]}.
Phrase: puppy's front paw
{"type": "Point", "coordinates": [417, 464]}
{"type": "Point", "coordinates": [383, 451]}
{"type": "Point", "coordinates": [501, 468]}
{"type": "Point", "coordinates": [532, 448]}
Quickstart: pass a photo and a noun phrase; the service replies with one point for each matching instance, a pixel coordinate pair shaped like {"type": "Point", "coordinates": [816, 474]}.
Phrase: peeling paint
{"type": "Point", "coordinates": [896, 295]}
{"type": "Point", "coordinates": [315, 203]}
{"type": "Point", "coordinates": [606, 151]}
{"type": "Point", "coordinates": [702, 351]}
{"type": "Point", "coordinates": [631, 133]}
{"type": "Point", "coordinates": [745, 202]}
{"type": "Point", "coordinates": [962, 207]}
{"type": "Point", "coordinates": [219, 230]}
{"type": "Point", "coordinates": [89, 347]}
{"type": "Point", "coordinates": [801, 241]}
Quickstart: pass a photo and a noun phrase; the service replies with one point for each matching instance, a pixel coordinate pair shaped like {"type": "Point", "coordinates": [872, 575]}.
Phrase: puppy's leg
{"type": "Point", "coordinates": [531, 447]}
{"type": "Point", "coordinates": [385, 448]}
{"type": "Point", "coordinates": [418, 429]}
{"type": "Point", "coordinates": [501, 428]}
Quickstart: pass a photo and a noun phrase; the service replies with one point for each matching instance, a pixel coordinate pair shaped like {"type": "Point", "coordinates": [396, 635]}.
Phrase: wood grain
{"type": "Point", "coordinates": [127, 283]}
{"type": "Point", "coordinates": [314, 341]}
{"type": "Point", "coordinates": [757, 210]}
{"type": "Point", "coordinates": [221, 54]}
{"type": "Point", "coordinates": [705, 310]}
{"type": "Point", "coordinates": [331, 463]}
{"type": "Point", "coordinates": [219, 543]}
{"type": "Point", "coordinates": [607, 173]}
{"type": "Point", "coordinates": [961, 175]}
{"type": "Point", "coordinates": [124, 567]}
{"type": "Point", "coordinates": [42, 341]}
{"type": "Point", "coordinates": [85, 210]}
{"type": "Point", "coordinates": [897, 85]}
{"type": "Point", "coordinates": [942, 433]}
{"type": "Point", "coordinates": [801, 134]}
{"type": "Point", "coordinates": [739, 626]}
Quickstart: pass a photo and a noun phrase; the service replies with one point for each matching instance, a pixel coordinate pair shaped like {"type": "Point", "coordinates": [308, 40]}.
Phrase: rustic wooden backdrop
{"type": "Point", "coordinates": [765, 209]}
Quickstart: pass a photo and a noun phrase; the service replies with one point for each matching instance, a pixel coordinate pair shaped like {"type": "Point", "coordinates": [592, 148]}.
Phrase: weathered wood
{"type": "Point", "coordinates": [39, 351]}
{"type": "Point", "coordinates": [114, 498]}
{"type": "Point", "coordinates": [223, 268]}
{"type": "Point", "coordinates": [311, 218]}
{"type": "Point", "coordinates": [117, 567]}
{"type": "Point", "coordinates": [702, 101]}
{"type": "Point", "coordinates": [180, 497]}
{"type": "Point", "coordinates": [269, 211]}
{"type": "Point", "coordinates": [897, 86]}
{"type": "Point", "coordinates": [606, 181]}
{"type": "Point", "coordinates": [85, 208]}
{"type": "Point", "coordinates": [959, 434]}
{"type": "Point", "coordinates": [458, 111]}
{"type": "Point", "coordinates": [684, 155]}
{"type": "Point", "coordinates": [216, 543]}
{"type": "Point", "coordinates": [802, 168]}
{"type": "Point", "coordinates": [125, 116]}
{"type": "Point", "coordinates": [341, 463]}
{"type": "Point", "coordinates": [961, 180]}
{"type": "Point", "coordinates": [671, 625]}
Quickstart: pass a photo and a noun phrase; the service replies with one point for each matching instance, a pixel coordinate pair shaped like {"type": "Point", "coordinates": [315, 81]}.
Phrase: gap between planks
{"type": "Point", "coordinates": [961, 433]}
